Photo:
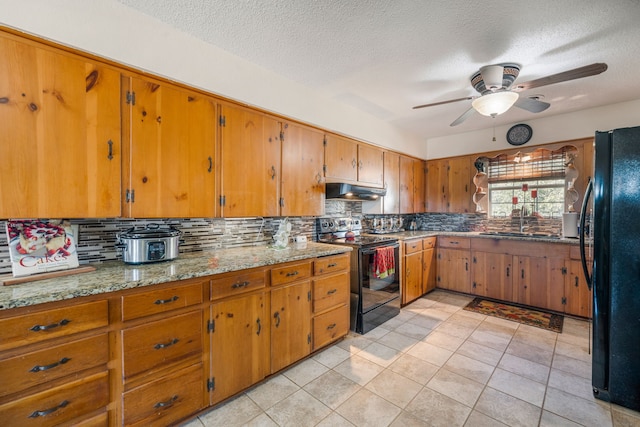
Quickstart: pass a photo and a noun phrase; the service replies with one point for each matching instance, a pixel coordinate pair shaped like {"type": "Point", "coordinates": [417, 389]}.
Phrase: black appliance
{"type": "Point", "coordinates": [374, 299]}
{"type": "Point", "coordinates": [615, 266]}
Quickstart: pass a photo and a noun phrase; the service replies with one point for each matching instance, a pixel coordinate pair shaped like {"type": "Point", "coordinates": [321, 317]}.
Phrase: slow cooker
{"type": "Point", "coordinates": [149, 244]}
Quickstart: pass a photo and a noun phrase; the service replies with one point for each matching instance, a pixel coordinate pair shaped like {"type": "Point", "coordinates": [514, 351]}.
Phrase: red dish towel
{"type": "Point", "coordinates": [384, 262]}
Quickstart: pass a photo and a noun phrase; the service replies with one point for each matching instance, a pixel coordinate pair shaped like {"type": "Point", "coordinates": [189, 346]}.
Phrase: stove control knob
{"type": "Point", "coordinates": [331, 224]}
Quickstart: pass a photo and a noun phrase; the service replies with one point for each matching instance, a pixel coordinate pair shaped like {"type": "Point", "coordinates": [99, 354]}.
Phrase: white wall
{"type": "Point", "coordinates": [580, 124]}
{"type": "Point", "coordinates": [111, 30]}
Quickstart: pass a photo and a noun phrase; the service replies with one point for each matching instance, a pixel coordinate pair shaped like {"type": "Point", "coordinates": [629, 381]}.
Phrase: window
{"type": "Point", "coordinates": [534, 181]}
{"type": "Point", "coordinates": [542, 196]}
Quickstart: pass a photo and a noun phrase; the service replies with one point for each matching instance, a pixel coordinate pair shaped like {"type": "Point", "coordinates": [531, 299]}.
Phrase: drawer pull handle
{"type": "Point", "coordinates": [276, 316]}
{"type": "Point", "coordinates": [40, 368]}
{"type": "Point", "coordinates": [46, 412]}
{"type": "Point", "coordinates": [333, 264]}
{"type": "Point", "coordinates": [240, 285]}
{"type": "Point", "coordinates": [332, 291]}
{"type": "Point", "coordinates": [292, 273]}
{"type": "Point", "coordinates": [331, 326]}
{"type": "Point", "coordinates": [166, 301]}
{"type": "Point", "coordinates": [38, 328]}
{"type": "Point", "coordinates": [259, 326]}
{"type": "Point", "coordinates": [169, 344]}
{"type": "Point", "coordinates": [167, 403]}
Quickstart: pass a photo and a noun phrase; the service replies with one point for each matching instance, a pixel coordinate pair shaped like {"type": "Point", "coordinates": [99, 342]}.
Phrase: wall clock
{"type": "Point", "coordinates": [519, 134]}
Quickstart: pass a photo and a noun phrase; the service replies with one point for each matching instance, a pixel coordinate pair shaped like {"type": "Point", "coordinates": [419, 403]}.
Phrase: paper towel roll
{"type": "Point", "coordinates": [570, 224]}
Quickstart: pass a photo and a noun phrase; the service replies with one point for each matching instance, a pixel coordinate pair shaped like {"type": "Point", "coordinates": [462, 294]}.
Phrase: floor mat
{"type": "Point", "coordinates": [540, 319]}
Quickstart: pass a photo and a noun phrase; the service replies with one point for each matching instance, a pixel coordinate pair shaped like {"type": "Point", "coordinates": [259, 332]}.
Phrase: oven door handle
{"type": "Point", "coordinates": [370, 251]}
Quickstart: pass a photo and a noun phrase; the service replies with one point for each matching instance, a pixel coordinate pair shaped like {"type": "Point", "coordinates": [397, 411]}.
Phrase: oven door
{"type": "Point", "coordinates": [379, 280]}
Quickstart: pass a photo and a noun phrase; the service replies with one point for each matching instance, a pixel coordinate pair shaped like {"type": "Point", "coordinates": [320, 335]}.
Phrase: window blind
{"type": "Point", "coordinates": [538, 164]}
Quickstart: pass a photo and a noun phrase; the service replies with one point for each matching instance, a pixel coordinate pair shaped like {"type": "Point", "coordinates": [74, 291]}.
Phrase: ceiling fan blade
{"type": "Point", "coordinates": [576, 73]}
{"type": "Point", "coordinates": [531, 104]}
{"type": "Point", "coordinates": [443, 102]}
{"type": "Point", "coordinates": [463, 117]}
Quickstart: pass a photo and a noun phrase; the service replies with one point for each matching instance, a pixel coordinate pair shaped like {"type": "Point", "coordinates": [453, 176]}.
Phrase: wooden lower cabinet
{"type": "Point", "coordinates": [330, 297]}
{"type": "Point", "coordinates": [239, 344]}
{"type": "Point", "coordinates": [492, 275]}
{"type": "Point", "coordinates": [160, 354]}
{"type": "Point", "coordinates": [418, 268]}
{"type": "Point", "coordinates": [54, 364]}
{"type": "Point", "coordinates": [166, 400]}
{"type": "Point", "coordinates": [290, 324]}
{"type": "Point", "coordinates": [59, 405]}
{"type": "Point", "coordinates": [454, 264]}
{"type": "Point", "coordinates": [537, 274]}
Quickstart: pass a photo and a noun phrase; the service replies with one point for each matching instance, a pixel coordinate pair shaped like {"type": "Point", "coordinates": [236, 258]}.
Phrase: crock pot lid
{"type": "Point", "coordinates": [149, 233]}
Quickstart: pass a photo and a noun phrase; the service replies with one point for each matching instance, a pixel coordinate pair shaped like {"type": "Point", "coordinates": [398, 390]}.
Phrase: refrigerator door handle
{"type": "Point", "coordinates": [583, 215]}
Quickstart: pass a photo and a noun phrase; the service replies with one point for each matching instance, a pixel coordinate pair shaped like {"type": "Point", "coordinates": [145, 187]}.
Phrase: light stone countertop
{"type": "Point", "coordinates": [115, 275]}
{"type": "Point", "coordinates": [407, 235]}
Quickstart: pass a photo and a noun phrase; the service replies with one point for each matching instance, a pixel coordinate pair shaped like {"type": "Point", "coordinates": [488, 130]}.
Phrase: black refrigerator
{"type": "Point", "coordinates": [614, 265]}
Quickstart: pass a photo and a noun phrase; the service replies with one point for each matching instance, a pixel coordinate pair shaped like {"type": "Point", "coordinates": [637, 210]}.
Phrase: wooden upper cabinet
{"type": "Point", "coordinates": [437, 182]}
{"type": "Point", "coordinates": [341, 159]}
{"type": "Point", "coordinates": [60, 138]}
{"type": "Point", "coordinates": [391, 201]}
{"type": "Point", "coordinates": [171, 151]}
{"type": "Point", "coordinates": [302, 182]}
{"type": "Point", "coordinates": [460, 185]}
{"type": "Point", "coordinates": [370, 165]}
{"type": "Point", "coordinates": [250, 147]}
{"type": "Point", "coordinates": [419, 191]}
{"type": "Point", "coordinates": [406, 185]}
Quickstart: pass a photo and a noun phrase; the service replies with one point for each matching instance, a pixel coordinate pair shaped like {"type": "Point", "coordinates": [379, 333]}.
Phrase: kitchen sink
{"type": "Point", "coordinates": [519, 234]}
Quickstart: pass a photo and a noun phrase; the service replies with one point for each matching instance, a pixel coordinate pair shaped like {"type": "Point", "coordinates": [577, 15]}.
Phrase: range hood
{"type": "Point", "coordinates": [339, 190]}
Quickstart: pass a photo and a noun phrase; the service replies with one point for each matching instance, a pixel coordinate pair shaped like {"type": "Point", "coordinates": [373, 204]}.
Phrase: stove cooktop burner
{"type": "Point", "coordinates": [358, 240]}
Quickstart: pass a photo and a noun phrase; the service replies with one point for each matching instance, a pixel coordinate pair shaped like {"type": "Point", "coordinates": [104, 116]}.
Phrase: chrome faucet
{"type": "Point", "coordinates": [522, 214]}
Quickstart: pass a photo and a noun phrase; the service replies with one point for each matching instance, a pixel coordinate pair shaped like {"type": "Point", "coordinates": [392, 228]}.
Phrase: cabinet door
{"type": "Point", "coordinates": [239, 344]}
{"type": "Point", "coordinates": [391, 201]}
{"type": "Point", "coordinates": [429, 270]}
{"type": "Point", "coordinates": [540, 282]}
{"type": "Point", "coordinates": [436, 186]}
{"type": "Point", "coordinates": [459, 184]}
{"type": "Point", "coordinates": [250, 147]}
{"type": "Point", "coordinates": [171, 151]}
{"type": "Point", "coordinates": [577, 295]}
{"type": "Point", "coordinates": [491, 275]}
{"type": "Point", "coordinates": [419, 191]}
{"type": "Point", "coordinates": [341, 159]}
{"type": "Point", "coordinates": [412, 283]}
{"type": "Point", "coordinates": [302, 182]}
{"type": "Point", "coordinates": [406, 185]}
{"type": "Point", "coordinates": [370, 165]}
{"type": "Point", "coordinates": [290, 324]}
{"type": "Point", "coordinates": [60, 138]}
{"type": "Point", "coordinates": [453, 270]}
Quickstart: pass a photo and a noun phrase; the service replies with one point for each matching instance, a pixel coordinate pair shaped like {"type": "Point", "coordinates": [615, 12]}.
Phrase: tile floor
{"type": "Point", "coordinates": [434, 365]}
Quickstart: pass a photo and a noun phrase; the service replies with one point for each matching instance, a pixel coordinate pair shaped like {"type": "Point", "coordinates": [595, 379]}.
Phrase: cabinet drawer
{"type": "Point", "coordinates": [58, 405]}
{"type": "Point", "coordinates": [160, 301]}
{"type": "Point", "coordinates": [429, 242]}
{"type": "Point", "coordinates": [330, 326]}
{"type": "Point", "coordinates": [166, 400]}
{"type": "Point", "coordinates": [162, 342]}
{"type": "Point", "coordinates": [412, 246]}
{"type": "Point", "coordinates": [237, 284]}
{"type": "Point", "coordinates": [31, 369]}
{"type": "Point", "coordinates": [454, 242]}
{"type": "Point", "coordinates": [330, 264]}
{"type": "Point", "coordinates": [43, 325]}
{"type": "Point", "coordinates": [290, 273]}
{"type": "Point", "coordinates": [330, 291]}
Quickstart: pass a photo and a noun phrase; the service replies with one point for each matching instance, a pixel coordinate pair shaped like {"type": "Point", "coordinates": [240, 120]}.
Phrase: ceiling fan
{"type": "Point", "coordinates": [498, 93]}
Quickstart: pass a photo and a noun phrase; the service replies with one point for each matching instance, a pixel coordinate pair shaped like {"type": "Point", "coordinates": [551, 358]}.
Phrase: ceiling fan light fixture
{"type": "Point", "coordinates": [494, 104]}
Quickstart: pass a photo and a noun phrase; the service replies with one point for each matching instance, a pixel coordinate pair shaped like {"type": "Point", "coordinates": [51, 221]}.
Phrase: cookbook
{"type": "Point", "coordinates": [39, 246]}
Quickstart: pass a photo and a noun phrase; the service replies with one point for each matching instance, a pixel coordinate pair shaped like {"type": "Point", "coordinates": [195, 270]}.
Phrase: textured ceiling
{"type": "Point", "coordinates": [384, 56]}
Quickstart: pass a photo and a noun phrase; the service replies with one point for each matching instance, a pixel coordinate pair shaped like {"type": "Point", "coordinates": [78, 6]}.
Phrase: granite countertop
{"type": "Point", "coordinates": [417, 234]}
{"type": "Point", "coordinates": [115, 275]}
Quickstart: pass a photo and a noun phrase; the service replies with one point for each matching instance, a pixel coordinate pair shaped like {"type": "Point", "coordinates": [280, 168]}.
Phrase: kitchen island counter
{"type": "Point", "coordinates": [115, 275]}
